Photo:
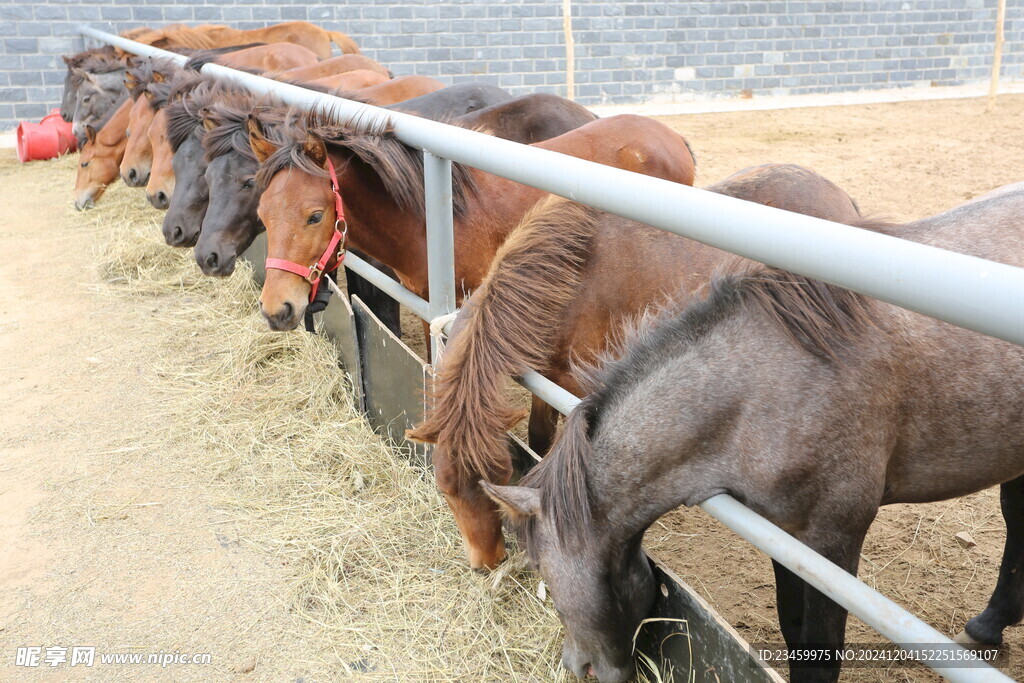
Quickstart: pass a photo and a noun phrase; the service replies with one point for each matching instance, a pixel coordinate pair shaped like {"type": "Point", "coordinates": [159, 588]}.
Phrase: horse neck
{"type": "Point", "coordinates": [377, 225]}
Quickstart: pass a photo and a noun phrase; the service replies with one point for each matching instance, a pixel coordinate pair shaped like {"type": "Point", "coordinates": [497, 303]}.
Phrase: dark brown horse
{"type": "Point", "coordinates": [813, 406]}
{"type": "Point", "coordinates": [560, 290]}
{"type": "Point", "coordinates": [212, 36]}
{"type": "Point", "coordinates": [381, 181]}
{"type": "Point", "coordinates": [528, 119]}
{"type": "Point", "coordinates": [100, 159]}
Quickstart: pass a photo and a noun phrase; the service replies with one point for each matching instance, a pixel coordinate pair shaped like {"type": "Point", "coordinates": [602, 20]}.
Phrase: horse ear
{"type": "Point", "coordinates": [315, 149]}
{"type": "Point", "coordinates": [208, 123]}
{"type": "Point", "coordinates": [158, 77]}
{"type": "Point", "coordinates": [67, 60]}
{"type": "Point", "coordinates": [90, 134]}
{"type": "Point", "coordinates": [261, 146]}
{"type": "Point", "coordinates": [517, 503]}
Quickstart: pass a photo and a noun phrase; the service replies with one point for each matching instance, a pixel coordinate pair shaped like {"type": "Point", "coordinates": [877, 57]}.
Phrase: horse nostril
{"type": "Point", "coordinates": [161, 198]}
{"type": "Point", "coordinates": [286, 311]}
{"type": "Point", "coordinates": [212, 260]}
{"type": "Point", "coordinates": [132, 174]}
{"type": "Point", "coordinates": [178, 234]}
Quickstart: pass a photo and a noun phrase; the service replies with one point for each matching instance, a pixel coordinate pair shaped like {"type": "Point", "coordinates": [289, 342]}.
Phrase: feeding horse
{"type": "Point", "coordinates": [380, 181]}
{"type": "Point", "coordinates": [98, 87]}
{"type": "Point", "coordinates": [212, 36]}
{"type": "Point", "coordinates": [559, 291]}
{"type": "Point", "coordinates": [82, 61]}
{"type": "Point", "coordinates": [100, 158]}
{"type": "Point", "coordinates": [812, 405]}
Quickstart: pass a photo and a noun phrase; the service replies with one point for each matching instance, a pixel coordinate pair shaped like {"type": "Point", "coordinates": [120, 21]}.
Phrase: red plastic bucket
{"type": "Point", "coordinates": [47, 139]}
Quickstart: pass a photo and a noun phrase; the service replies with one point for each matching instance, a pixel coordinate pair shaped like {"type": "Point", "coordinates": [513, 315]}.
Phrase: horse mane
{"type": "Point", "coordinates": [399, 166]}
{"type": "Point", "coordinates": [536, 274]}
{"type": "Point", "coordinates": [230, 114]}
{"type": "Point", "coordinates": [142, 70]}
{"type": "Point", "coordinates": [185, 114]}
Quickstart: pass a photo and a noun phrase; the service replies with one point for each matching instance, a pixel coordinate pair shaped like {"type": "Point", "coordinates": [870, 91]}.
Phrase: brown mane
{"type": "Point", "coordinates": [537, 269]}
{"type": "Point", "coordinates": [185, 114]}
{"type": "Point", "coordinates": [142, 70]}
{"type": "Point", "coordinates": [399, 166]}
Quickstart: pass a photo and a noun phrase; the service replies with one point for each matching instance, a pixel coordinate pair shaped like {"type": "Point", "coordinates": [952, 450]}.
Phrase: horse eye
{"type": "Point", "coordinates": [127, 132]}
{"type": "Point", "coordinates": [315, 218]}
{"type": "Point", "coordinates": [87, 98]}
{"type": "Point", "coordinates": [249, 184]}
{"type": "Point", "coordinates": [84, 164]}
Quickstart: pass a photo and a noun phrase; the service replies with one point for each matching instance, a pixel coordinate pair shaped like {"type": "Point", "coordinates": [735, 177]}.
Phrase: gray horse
{"type": "Point", "coordinates": [812, 405]}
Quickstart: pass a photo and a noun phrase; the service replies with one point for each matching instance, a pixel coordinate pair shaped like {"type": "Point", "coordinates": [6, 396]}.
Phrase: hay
{"type": "Point", "coordinates": [376, 560]}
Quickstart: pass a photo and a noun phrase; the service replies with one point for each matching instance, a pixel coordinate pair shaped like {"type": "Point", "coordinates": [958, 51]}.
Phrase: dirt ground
{"type": "Point", "coordinates": [112, 538]}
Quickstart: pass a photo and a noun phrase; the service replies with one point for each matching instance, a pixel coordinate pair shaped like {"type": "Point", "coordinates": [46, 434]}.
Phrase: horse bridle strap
{"type": "Point", "coordinates": [314, 274]}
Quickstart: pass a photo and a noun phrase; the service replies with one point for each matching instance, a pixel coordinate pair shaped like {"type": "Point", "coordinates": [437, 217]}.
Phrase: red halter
{"type": "Point", "coordinates": [314, 273]}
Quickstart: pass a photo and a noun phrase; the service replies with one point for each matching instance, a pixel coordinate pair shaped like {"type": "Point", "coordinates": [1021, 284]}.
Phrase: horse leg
{"type": "Point", "coordinates": [789, 603]}
{"type": "Point", "coordinates": [823, 626]}
{"type": "Point", "coordinates": [1006, 606]}
{"type": "Point", "coordinates": [543, 422]}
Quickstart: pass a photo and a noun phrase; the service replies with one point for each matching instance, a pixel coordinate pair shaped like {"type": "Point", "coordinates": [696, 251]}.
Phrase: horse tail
{"type": "Point", "coordinates": [509, 324]}
{"type": "Point", "coordinates": [344, 43]}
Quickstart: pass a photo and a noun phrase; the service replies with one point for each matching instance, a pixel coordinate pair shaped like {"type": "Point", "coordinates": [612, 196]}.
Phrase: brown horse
{"type": "Point", "coordinates": [138, 155]}
{"type": "Point", "coordinates": [160, 186]}
{"type": "Point", "coordinates": [394, 91]}
{"type": "Point", "coordinates": [812, 405]}
{"type": "Point", "coordinates": [268, 57]}
{"type": "Point", "coordinates": [210, 36]}
{"type": "Point", "coordinates": [559, 292]}
{"type": "Point", "coordinates": [100, 159]}
{"type": "Point", "coordinates": [350, 80]}
{"type": "Point", "coordinates": [528, 119]}
{"type": "Point", "coordinates": [332, 67]}
{"type": "Point", "coordinates": [381, 181]}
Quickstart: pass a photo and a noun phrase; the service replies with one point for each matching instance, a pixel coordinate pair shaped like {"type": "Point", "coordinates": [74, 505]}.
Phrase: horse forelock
{"type": "Point", "coordinates": [231, 113]}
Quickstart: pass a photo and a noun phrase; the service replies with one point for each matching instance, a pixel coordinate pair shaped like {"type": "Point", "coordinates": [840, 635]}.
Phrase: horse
{"type": "Point", "coordinates": [98, 87]}
{"type": "Point", "coordinates": [811, 404]}
{"type": "Point", "coordinates": [381, 181]}
{"type": "Point", "coordinates": [161, 184]}
{"type": "Point", "coordinates": [100, 159]}
{"type": "Point", "coordinates": [528, 119]}
{"type": "Point", "coordinates": [560, 290]}
{"type": "Point", "coordinates": [398, 90]}
{"type": "Point", "coordinates": [82, 61]}
{"type": "Point", "coordinates": [334, 66]}
{"type": "Point", "coordinates": [210, 36]}
{"type": "Point", "coordinates": [233, 222]}
{"type": "Point", "coordinates": [138, 155]}
{"type": "Point", "coordinates": [455, 100]}
{"type": "Point", "coordinates": [350, 80]}
{"type": "Point", "coordinates": [262, 56]}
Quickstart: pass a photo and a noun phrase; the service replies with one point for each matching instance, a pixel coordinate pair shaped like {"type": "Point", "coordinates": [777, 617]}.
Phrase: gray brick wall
{"type": "Point", "coordinates": [625, 52]}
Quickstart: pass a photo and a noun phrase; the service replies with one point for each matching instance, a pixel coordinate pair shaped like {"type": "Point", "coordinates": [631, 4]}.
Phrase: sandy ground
{"type": "Point", "coordinates": [110, 539]}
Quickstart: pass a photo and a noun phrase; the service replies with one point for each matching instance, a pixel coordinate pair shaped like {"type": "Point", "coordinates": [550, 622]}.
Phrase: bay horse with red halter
{"type": "Point", "coordinates": [381, 181]}
{"type": "Point", "coordinates": [333, 67]}
{"type": "Point", "coordinates": [559, 292]}
{"type": "Point", "coordinates": [223, 200]}
{"type": "Point", "coordinates": [210, 36]}
{"type": "Point", "coordinates": [100, 159]}
{"type": "Point", "coordinates": [811, 404]}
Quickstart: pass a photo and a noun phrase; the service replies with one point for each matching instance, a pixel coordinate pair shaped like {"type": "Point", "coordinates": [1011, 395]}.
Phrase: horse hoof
{"type": "Point", "coordinates": [964, 638]}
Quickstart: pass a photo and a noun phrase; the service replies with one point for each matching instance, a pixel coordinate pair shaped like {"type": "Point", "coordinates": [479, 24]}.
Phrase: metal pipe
{"type": "Point", "coordinates": [964, 290]}
{"type": "Point", "coordinates": [881, 613]}
{"type": "Point", "coordinates": [437, 181]}
{"type": "Point", "coordinates": [393, 289]}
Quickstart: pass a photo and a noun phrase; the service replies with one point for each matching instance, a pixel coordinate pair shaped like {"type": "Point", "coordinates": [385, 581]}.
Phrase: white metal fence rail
{"type": "Point", "coordinates": [970, 292]}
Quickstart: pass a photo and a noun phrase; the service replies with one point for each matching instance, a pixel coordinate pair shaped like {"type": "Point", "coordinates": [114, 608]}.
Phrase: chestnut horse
{"type": "Point", "coordinates": [263, 57]}
{"type": "Point", "coordinates": [397, 91]}
{"type": "Point", "coordinates": [100, 158]}
{"type": "Point", "coordinates": [811, 404]}
{"type": "Point", "coordinates": [138, 155]}
{"type": "Point", "coordinates": [210, 36]}
{"type": "Point", "coordinates": [381, 183]}
{"type": "Point", "coordinates": [332, 67]}
{"type": "Point", "coordinates": [160, 187]}
{"type": "Point", "coordinates": [350, 80]}
{"type": "Point", "coordinates": [559, 291]}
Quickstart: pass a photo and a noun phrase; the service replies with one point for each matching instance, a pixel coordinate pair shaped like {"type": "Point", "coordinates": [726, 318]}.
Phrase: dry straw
{"type": "Point", "coordinates": [378, 564]}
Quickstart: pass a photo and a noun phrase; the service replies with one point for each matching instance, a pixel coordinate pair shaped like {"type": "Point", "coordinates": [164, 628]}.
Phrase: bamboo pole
{"type": "Point", "coordinates": [997, 56]}
{"type": "Point", "coordinates": [570, 50]}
